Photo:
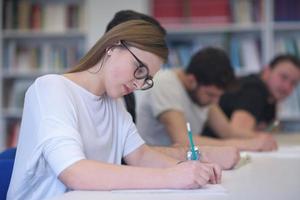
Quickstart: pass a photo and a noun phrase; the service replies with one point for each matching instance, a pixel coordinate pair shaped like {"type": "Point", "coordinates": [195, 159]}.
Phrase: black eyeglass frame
{"type": "Point", "coordinates": [148, 80]}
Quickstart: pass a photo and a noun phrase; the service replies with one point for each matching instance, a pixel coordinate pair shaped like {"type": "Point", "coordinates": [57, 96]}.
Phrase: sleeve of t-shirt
{"type": "Point", "coordinates": [164, 96]}
{"type": "Point", "coordinates": [58, 138]}
{"type": "Point", "coordinates": [131, 139]}
{"type": "Point", "coordinates": [250, 99]}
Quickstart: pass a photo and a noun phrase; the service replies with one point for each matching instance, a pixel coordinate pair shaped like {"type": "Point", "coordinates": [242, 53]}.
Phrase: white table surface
{"type": "Point", "coordinates": [265, 177]}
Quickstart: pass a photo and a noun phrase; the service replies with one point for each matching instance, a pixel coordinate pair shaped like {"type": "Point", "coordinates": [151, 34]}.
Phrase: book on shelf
{"type": "Point", "coordinates": [17, 94]}
{"type": "Point", "coordinates": [213, 11]}
{"type": "Point", "coordinates": [35, 17]}
{"type": "Point", "coordinates": [250, 55]}
{"type": "Point", "coordinates": [55, 18]}
{"type": "Point", "coordinates": [168, 10]}
{"type": "Point", "coordinates": [234, 53]}
{"type": "Point", "coordinates": [23, 15]}
{"type": "Point", "coordinates": [246, 11]}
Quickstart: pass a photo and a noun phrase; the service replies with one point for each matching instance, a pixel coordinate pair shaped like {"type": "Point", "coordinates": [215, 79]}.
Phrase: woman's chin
{"type": "Point", "coordinates": [116, 95]}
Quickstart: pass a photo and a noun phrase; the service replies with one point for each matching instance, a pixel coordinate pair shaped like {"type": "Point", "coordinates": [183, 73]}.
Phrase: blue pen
{"type": "Point", "coordinates": [194, 156]}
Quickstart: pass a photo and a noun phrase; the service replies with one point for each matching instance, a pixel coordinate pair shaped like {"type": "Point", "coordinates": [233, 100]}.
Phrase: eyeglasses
{"type": "Point", "coordinates": [142, 71]}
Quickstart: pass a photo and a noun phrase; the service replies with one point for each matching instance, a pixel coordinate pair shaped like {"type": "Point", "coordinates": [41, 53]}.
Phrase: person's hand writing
{"type": "Point", "coordinates": [193, 174]}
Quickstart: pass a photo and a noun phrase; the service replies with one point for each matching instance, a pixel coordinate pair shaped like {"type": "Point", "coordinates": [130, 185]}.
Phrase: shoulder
{"type": "Point", "coordinates": [252, 80]}
{"type": "Point", "coordinates": [165, 76]}
{"type": "Point", "coordinates": [254, 84]}
{"type": "Point", "coordinates": [166, 81]}
{"type": "Point", "coordinates": [49, 81]}
{"type": "Point", "coordinates": [52, 88]}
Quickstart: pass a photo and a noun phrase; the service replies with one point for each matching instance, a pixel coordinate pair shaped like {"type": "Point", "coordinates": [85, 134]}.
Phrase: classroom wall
{"type": "Point", "coordinates": [100, 12]}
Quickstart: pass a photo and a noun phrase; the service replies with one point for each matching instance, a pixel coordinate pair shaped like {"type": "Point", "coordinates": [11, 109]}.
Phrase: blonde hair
{"type": "Point", "coordinates": [136, 33]}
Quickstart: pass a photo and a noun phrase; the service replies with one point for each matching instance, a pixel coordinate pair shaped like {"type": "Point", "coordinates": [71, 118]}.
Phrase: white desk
{"type": "Point", "coordinates": [265, 177]}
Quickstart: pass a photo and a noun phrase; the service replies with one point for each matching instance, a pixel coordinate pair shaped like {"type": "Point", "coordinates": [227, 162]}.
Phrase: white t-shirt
{"type": "Point", "coordinates": [63, 123]}
{"type": "Point", "coordinates": [168, 93]}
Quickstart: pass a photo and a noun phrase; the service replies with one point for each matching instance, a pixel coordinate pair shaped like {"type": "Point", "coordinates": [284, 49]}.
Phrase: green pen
{"type": "Point", "coordinates": [194, 156]}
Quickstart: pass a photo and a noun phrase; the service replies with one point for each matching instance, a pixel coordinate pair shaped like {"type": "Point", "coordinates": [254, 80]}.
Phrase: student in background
{"type": "Point", "coordinates": [192, 95]}
{"type": "Point", "coordinates": [74, 131]}
{"type": "Point", "coordinates": [226, 156]}
{"type": "Point", "coordinates": [253, 105]}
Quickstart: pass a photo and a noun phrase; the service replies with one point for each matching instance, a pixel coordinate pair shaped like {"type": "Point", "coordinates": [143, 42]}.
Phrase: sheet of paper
{"type": "Point", "coordinates": [208, 189]}
{"type": "Point", "coordinates": [282, 152]}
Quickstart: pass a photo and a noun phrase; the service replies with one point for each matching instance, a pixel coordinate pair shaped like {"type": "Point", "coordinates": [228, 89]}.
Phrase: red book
{"type": "Point", "coordinates": [36, 17]}
{"type": "Point", "coordinates": [210, 11]}
{"type": "Point", "coordinates": [168, 8]}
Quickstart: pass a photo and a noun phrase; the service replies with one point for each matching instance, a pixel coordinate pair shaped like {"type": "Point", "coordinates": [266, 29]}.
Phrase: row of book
{"type": "Point", "coordinates": [35, 57]}
{"type": "Point", "coordinates": [286, 10]}
{"type": "Point", "coordinates": [54, 17]}
{"type": "Point", "coordinates": [14, 96]}
{"type": "Point", "coordinates": [290, 45]}
{"type": "Point", "coordinates": [212, 11]}
{"type": "Point", "coordinates": [222, 11]}
{"type": "Point", "coordinates": [244, 53]}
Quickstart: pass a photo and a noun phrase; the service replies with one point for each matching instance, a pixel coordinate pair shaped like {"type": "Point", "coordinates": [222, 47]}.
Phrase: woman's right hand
{"type": "Point", "coordinates": [193, 174]}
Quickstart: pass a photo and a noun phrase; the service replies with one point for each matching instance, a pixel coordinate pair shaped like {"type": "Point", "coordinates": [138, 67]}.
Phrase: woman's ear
{"type": "Point", "coordinates": [109, 51]}
{"type": "Point", "coordinates": [118, 43]}
{"type": "Point", "coordinates": [111, 48]}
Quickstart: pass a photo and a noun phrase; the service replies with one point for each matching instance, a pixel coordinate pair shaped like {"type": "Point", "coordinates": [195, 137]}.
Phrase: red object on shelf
{"type": "Point", "coordinates": [168, 8]}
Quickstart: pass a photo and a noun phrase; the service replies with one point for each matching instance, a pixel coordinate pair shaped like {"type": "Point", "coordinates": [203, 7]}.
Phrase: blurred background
{"type": "Point", "coordinates": [49, 36]}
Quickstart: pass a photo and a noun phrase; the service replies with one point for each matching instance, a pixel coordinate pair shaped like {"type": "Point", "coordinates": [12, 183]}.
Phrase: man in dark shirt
{"type": "Point", "coordinates": [253, 97]}
{"type": "Point", "coordinates": [253, 104]}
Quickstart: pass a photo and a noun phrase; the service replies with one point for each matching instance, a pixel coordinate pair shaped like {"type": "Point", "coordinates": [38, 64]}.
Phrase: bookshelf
{"type": "Point", "coordinates": [37, 37]}
{"type": "Point", "coordinates": [251, 31]}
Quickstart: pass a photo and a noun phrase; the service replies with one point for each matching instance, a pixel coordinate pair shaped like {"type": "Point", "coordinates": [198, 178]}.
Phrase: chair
{"type": "Point", "coordinates": [7, 159]}
{"type": "Point", "coordinates": [8, 154]}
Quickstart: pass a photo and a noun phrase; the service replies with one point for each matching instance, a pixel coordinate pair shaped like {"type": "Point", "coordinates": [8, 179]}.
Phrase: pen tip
{"type": "Point", "coordinates": [188, 126]}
